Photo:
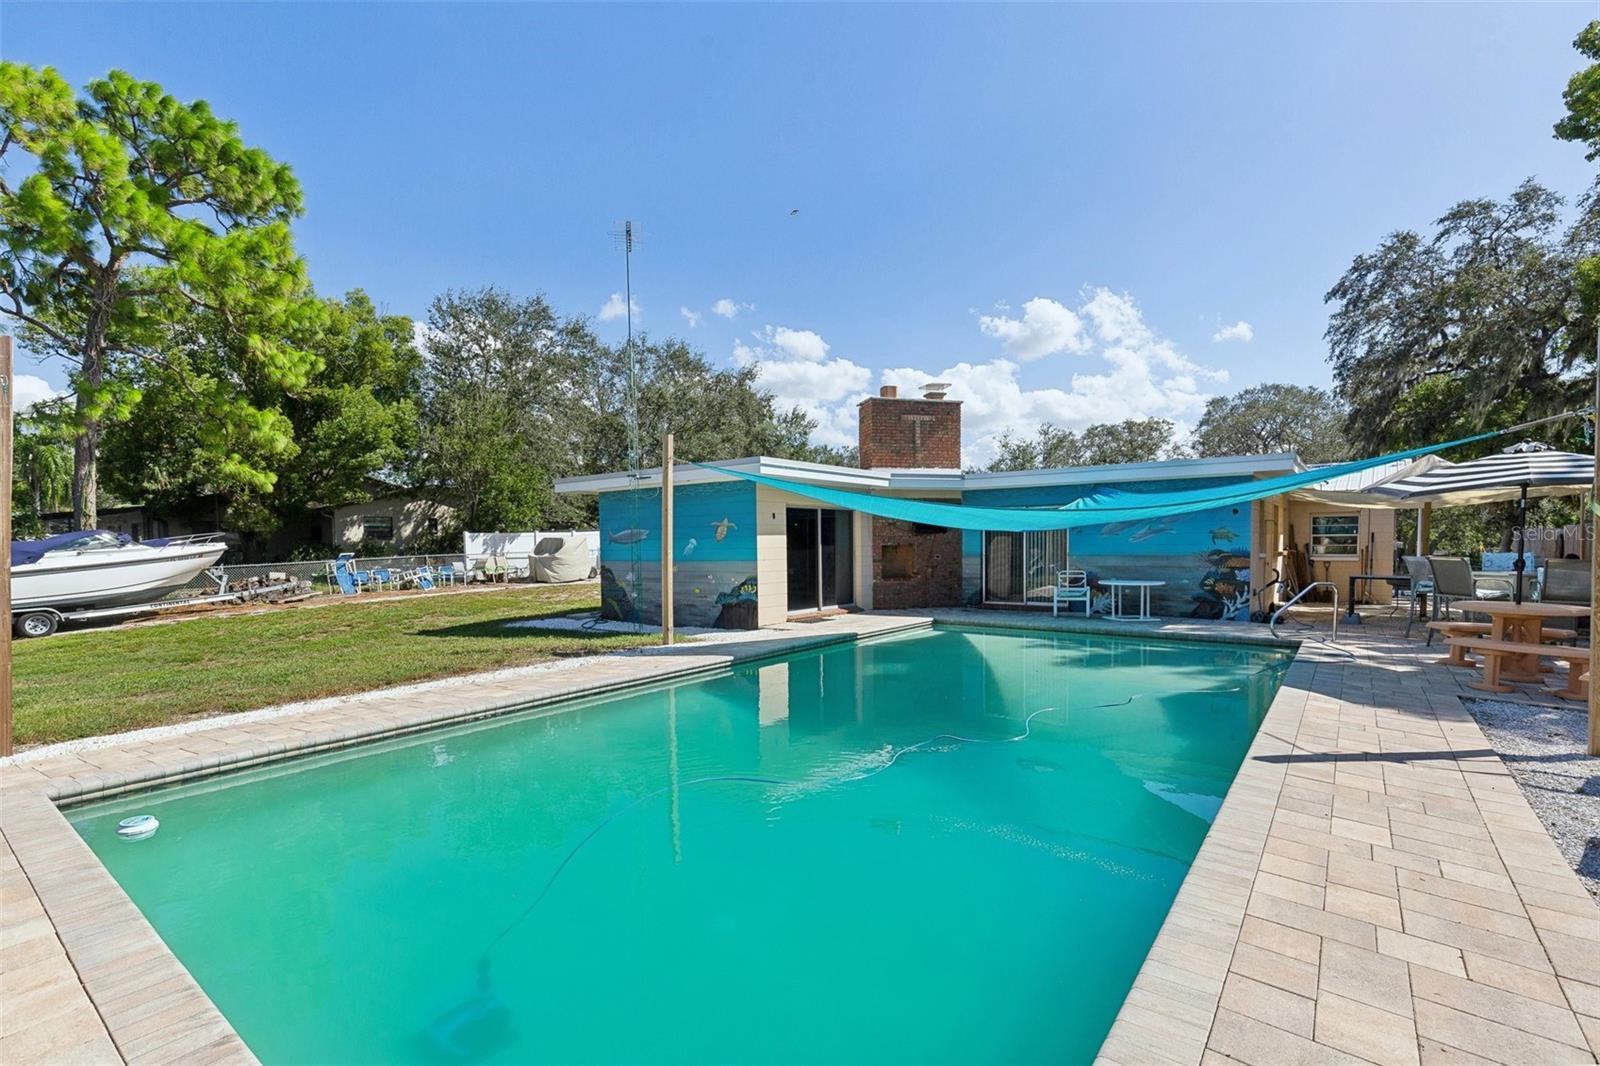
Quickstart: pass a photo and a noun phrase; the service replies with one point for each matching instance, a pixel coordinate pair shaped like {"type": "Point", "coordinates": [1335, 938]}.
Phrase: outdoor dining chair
{"type": "Point", "coordinates": [1072, 586]}
{"type": "Point", "coordinates": [1421, 584]}
{"type": "Point", "coordinates": [1567, 581]}
{"type": "Point", "coordinates": [1452, 580]}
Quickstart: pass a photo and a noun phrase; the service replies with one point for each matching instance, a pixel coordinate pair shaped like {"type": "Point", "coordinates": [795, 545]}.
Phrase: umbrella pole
{"type": "Point", "coordinates": [1522, 543]}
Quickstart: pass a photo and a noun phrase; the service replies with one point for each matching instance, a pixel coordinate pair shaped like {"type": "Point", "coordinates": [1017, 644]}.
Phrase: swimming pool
{"type": "Point", "coordinates": [792, 860]}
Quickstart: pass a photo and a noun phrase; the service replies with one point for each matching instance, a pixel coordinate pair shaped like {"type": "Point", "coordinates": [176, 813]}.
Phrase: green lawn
{"type": "Point", "coordinates": [86, 683]}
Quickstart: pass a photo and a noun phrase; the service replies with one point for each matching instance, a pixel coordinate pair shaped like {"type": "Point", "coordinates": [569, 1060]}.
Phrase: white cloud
{"type": "Point", "coordinates": [29, 389]}
{"type": "Point", "coordinates": [1129, 371]}
{"type": "Point", "coordinates": [801, 344]}
{"type": "Point", "coordinates": [730, 309]}
{"type": "Point", "coordinates": [614, 308]}
{"type": "Point", "coordinates": [691, 317]}
{"type": "Point", "coordinates": [1046, 327]}
{"type": "Point", "coordinates": [1240, 331]}
{"type": "Point", "coordinates": [796, 369]}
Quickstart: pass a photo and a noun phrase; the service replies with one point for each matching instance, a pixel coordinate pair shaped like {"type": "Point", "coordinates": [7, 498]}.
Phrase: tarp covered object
{"type": "Point", "coordinates": [1097, 509]}
{"type": "Point", "coordinates": [558, 559]}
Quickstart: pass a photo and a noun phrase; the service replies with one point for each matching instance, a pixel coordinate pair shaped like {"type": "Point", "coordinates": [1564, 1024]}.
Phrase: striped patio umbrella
{"type": "Point", "coordinates": [1519, 472]}
{"type": "Point", "coordinates": [1516, 473]}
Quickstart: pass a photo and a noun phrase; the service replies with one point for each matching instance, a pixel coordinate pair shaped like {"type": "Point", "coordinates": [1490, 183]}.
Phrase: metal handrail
{"type": "Point", "coordinates": [1272, 623]}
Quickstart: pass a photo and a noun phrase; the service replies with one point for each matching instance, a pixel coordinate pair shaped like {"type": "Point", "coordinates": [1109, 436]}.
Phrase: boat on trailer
{"type": "Point", "coordinates": [70, 574]}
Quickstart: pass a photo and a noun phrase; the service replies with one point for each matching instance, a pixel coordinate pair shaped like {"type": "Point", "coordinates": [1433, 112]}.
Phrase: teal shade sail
{"type": "Point", "coordinates": [1096, 509]}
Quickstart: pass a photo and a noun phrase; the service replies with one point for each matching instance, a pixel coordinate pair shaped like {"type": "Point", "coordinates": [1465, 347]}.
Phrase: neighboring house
{"type": "Point", "coordinates": [391, 521]}
{"type": "Point", "coordinates": [749, 555]}
{"type": "Point", "coordinates": [389, 517]}
{"type": "Point", "coordinates": [130, 519]}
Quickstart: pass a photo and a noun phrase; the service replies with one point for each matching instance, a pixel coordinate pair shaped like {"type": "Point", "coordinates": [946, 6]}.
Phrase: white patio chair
{"type": "Point", "coordinates": [1072, 586]}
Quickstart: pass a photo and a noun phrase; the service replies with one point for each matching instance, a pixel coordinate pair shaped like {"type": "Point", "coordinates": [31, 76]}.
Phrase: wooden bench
{"type": "Point", "coordinates": [1494, 653]}
{"type": "Point", "coordinates": [1458, 653]}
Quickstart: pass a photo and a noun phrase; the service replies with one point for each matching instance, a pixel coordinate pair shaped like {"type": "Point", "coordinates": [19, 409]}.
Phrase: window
{"type": "Point", "coordinates": [1335, 536]}
{"type": "Point", "coordinates": [377, 527]}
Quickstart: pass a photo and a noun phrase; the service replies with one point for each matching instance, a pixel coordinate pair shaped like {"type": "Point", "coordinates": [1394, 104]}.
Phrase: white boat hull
{"type": "Point", "coordinates": [109, 578]}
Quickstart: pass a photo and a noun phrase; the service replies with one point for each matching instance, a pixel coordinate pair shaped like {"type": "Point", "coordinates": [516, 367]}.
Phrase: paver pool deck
{"type": "Point", "coordinates": [1374, 889]}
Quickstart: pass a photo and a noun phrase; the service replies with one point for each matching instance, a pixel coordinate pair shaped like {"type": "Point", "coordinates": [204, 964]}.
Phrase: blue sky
{"type": "Point", "coordinates": [1060, 209]}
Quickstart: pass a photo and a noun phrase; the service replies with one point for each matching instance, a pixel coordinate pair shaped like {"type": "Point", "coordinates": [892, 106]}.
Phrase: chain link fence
{"type": "Point", "coordinates": [318, 572]}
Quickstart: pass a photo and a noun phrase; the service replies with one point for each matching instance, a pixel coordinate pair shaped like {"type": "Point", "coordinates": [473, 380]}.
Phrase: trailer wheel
{"type": "Point", "coordinates": [35, 624]}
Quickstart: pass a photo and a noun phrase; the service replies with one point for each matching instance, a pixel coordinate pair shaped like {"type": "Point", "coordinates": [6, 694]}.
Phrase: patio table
{"type": "Point", "coordinates": [1117, 584]}
{"type": "Point", "coordinates": [1524, 624]}
{"type": "Point", "coordinates": [1397, 580]}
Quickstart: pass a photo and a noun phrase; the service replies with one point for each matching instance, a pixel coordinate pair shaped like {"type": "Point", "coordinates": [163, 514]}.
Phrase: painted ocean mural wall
{"type": "Point", "coordinates": [1204, 556]}
{"type": "Point", "coordinates": [714, 555]}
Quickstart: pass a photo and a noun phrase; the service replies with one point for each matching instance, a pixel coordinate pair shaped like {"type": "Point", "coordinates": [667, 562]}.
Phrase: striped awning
{"type": "Point", "coordinates": [1536, 468]}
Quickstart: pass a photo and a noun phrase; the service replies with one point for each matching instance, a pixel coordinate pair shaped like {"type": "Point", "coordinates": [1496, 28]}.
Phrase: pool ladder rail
{"type": "Point", "coordinates": [1272, 623]}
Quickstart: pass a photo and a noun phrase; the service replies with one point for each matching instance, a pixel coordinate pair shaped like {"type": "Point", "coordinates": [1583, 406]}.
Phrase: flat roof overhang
{"type": "Point", "coordinates": [894, 479]}
{"type": "Point", "coordinates": [842, 477]}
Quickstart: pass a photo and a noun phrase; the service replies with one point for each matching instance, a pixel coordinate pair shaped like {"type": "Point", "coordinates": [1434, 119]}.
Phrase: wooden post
{"type": "Point", "coordinates": [666, 538]}
{"type": "Point", "coordinates": [1424, 520]}
{"type": "Point", "coordinates": [6, 743]}
{"type": "Point", "coordinates": [1594, 562]}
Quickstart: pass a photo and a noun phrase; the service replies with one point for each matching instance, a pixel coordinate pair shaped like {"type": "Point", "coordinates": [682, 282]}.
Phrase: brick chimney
{"type": "Point", "coordinates": [901, 432]}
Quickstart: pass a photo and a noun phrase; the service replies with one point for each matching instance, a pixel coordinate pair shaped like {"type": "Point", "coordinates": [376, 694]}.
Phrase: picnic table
{"type": "Point", "coordinates": [1521, 623]}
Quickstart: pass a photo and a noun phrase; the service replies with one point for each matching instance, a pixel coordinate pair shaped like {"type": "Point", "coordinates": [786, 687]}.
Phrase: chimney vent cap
{"type": "Point", "coordinates": [935, 390]}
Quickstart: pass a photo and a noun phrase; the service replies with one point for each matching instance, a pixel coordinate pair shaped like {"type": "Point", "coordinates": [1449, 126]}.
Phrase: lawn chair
{"type": "Point", "coordinates": [1072, 586]}
{"type": "Point", "coordinates": [447, 573]}
{"type": "Point", "coordinates": [382, 576]}
{"type": "Point", "coordinates": [494, 568]}
{"type": "Point", "coordinates": [344, 574]}
{"type": "Point", "coordinates": [424, 577]}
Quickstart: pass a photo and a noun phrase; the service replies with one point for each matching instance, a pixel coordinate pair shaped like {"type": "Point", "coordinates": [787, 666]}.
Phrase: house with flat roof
{"type": "Point", "coordinates": [747, 555]}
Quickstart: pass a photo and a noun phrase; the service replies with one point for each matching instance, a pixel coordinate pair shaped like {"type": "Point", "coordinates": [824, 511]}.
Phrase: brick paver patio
{"type": "Point", "coordinates": [1376, 889]}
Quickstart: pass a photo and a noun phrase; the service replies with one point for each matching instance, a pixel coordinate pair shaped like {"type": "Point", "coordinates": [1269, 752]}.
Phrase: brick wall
{"type": "Point", "coordinates": [935, 566]}
{"type": "Point", "coordinates": [910, 433]}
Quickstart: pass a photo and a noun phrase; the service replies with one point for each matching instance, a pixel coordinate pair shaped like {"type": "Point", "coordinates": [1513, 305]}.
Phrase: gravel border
{"type": "Point", "coordinates": [1543, 747]}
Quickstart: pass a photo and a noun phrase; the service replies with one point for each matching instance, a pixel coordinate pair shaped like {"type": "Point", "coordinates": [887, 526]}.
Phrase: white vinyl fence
{"type": "Point", "coordinates": [515, 548]}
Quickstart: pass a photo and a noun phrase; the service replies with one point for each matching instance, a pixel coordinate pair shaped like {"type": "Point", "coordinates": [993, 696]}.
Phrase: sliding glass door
{"type": "Point", "coordinates": [1021, 568]}
{"type": "Point", "coordinates": [821, 558]}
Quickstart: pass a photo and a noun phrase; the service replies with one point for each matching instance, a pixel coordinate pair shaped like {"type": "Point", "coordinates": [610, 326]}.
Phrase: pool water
{"type": "Point", "coordinates": [781, 862]}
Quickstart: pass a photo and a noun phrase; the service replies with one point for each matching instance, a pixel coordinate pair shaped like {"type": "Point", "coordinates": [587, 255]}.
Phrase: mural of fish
{"type": "Point", "coordinates": [723, 526]}
{"type": "Point", "coordinates": [1223, 535]}
{"type": "Point", "coordinates": [629, 536]}
{"type": "Point", "coordinates": [688, 549]}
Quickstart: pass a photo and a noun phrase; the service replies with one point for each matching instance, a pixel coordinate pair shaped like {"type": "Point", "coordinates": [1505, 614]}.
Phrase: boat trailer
{"type": "Point", "coordinates": [42, 621]}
